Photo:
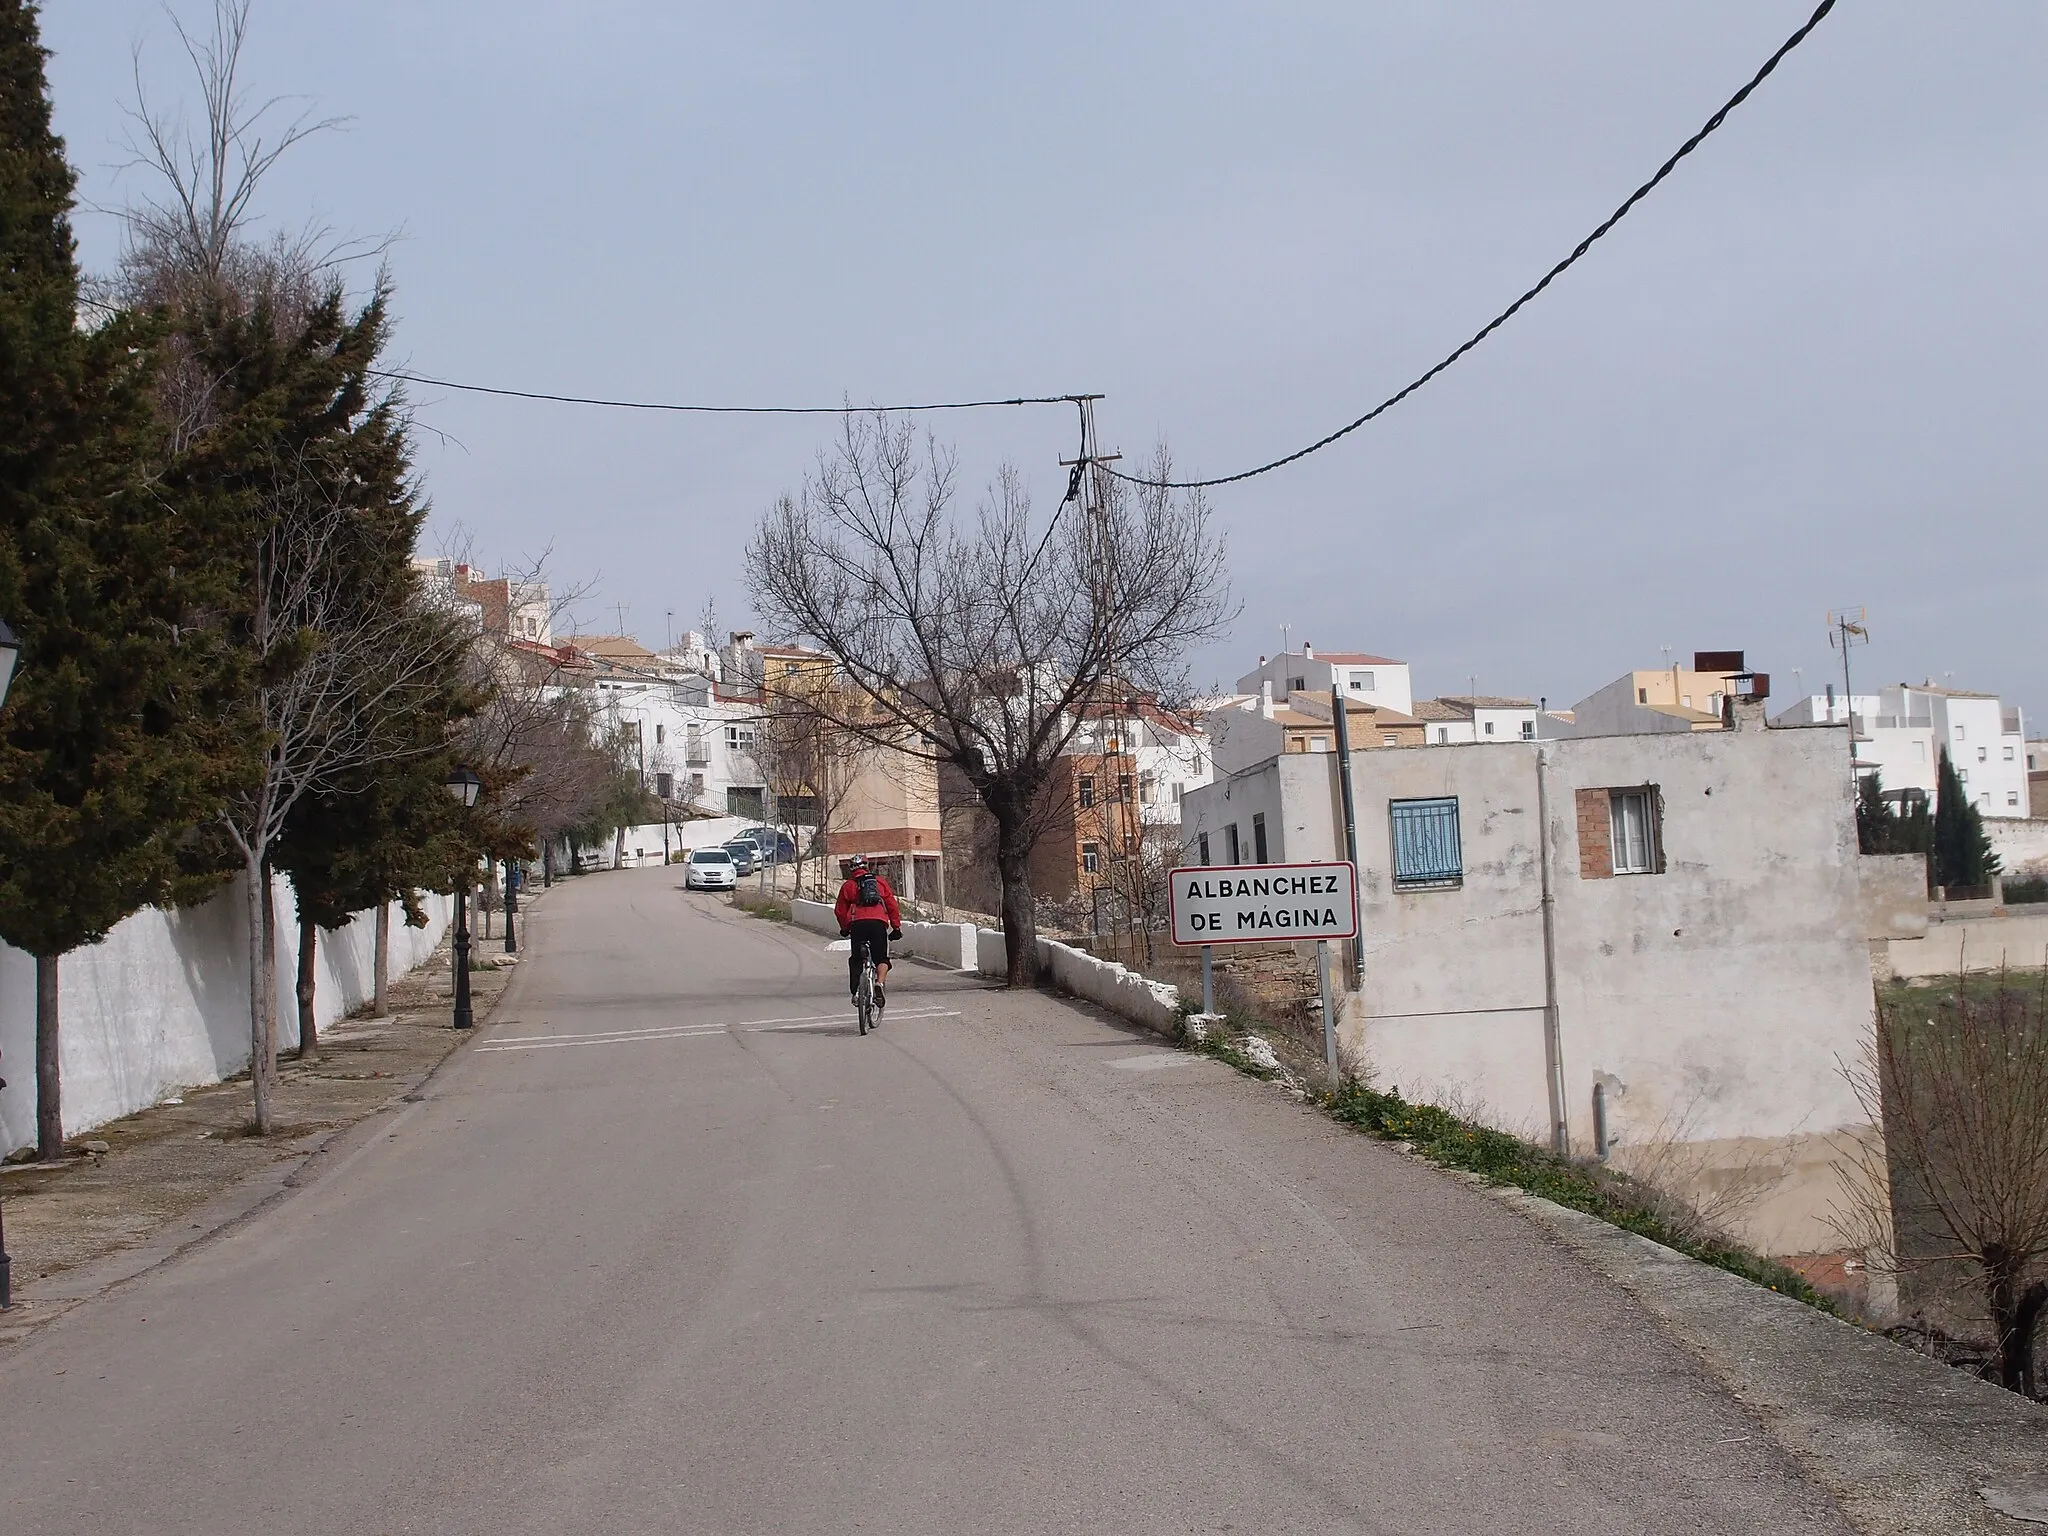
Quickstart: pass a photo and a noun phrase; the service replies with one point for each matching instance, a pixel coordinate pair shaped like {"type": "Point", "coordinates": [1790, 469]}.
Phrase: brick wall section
{"type": "Point", "coordinates": [1596, 835]}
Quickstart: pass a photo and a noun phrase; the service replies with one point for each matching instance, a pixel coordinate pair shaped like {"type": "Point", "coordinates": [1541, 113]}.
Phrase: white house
{"type": "Point", "coordinates": [1459, 718]}
{"type": "Point", "coordinates": [1373, 679]}
{"type": "Point", "coordinates": [1708, 936]}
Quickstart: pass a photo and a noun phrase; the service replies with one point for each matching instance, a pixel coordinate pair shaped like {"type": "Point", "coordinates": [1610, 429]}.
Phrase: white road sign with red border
{"type": "Point", "coordinates": [1263, 903]}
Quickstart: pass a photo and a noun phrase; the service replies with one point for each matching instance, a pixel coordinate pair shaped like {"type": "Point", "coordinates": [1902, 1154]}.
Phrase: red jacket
{"type": "Point", "coordinates": [848, 908]}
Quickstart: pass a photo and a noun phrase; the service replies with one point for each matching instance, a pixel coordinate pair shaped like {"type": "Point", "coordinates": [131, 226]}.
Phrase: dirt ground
{"type": "Point", "coordinates": [162, 1164]}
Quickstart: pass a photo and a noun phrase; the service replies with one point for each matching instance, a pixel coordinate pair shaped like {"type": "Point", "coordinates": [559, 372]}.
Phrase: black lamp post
{"type": "Point", "coordinates": [512, 879]}
{"type": "Point", "coordinates": [463, 787]}
{"type": "Point", "coordinates": [10, 653]}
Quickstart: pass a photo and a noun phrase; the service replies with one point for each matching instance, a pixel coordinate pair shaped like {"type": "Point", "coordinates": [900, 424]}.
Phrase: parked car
{"type": "Point", "coordinates": [710, 869]}
{"type": "Point", "coordinates": [772, 846]}
{"type": "Point", "coordinates": [746, 858]}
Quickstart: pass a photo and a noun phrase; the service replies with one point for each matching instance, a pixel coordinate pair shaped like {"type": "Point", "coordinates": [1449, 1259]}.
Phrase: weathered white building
{"type": "Point", "coordinates": [1674, 925]}
{"type": "Point", "coordinates": [1371, 679]}
{"type": "Point", "coordinates": [1456, 719]}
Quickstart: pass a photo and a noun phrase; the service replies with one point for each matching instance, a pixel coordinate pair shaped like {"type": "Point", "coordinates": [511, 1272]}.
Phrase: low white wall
{"type": "Point", "coordinates": [1981, 943]}
{"type": "Point", "coordinates": [163, 1004]}
{"type": "Point", "coordinates": [949, 944]}
{"type": "Point", "coordinates": [1121, 990]}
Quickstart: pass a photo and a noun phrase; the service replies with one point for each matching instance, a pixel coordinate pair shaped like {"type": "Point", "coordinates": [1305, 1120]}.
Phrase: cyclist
{"type": "Point", "coordinates": [868, 915]}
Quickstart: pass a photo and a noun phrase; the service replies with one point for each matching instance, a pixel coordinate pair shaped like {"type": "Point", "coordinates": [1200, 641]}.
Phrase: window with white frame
{"type": "Point", "coordinates": [1443, 735]}
{"type": "Point", "coordinates": [1091, 858]}
{"type": "Point", "coordinates": [2008, 754]}
{"type": "Point", "coordinates": [1489, 727]}
{"type": "Point", "coordinates": [1528, 730]}
{"type": "Point", "coordinates": [1633, 820]}
{"type": "Point", "coordinates": [2012, 797]}
{"type": "Point", "coordinates": [1319, 743]}
{"type": "Point", "coordinates": [1983, 754]}
{"type": "Point", "coordinates": [1361, 682]}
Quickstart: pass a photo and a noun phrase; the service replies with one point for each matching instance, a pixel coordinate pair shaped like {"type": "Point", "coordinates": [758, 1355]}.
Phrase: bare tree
{"type": "Point", "coordinates": [983, 632]}
{"type": "Point", "coordinates": [334, 677]}
{"type": "Point", "coordinates": [1959, 1084]}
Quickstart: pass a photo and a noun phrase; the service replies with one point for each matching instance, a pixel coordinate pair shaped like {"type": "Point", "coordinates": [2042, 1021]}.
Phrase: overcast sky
{"type": "Point", "coordinates": [1809, 372]}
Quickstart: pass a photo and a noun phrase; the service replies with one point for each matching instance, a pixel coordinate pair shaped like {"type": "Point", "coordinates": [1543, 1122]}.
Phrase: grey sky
{"type": "Point", "coordinates": [1809, 371]}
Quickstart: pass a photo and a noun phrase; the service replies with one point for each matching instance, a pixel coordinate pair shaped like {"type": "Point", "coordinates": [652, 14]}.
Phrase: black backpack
{"type": "Point", "coordinates": [867, 891]}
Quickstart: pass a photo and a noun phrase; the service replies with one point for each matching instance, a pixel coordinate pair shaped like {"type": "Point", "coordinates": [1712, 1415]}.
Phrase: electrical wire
{"type": "Point", "coordinates": [1501, 319]}
{"type": "Point", "coordinates": [400, 376]}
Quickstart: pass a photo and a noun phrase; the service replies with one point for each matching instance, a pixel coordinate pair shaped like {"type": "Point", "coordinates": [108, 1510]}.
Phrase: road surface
{"type": "Point", "coordinates": [671, 1249]}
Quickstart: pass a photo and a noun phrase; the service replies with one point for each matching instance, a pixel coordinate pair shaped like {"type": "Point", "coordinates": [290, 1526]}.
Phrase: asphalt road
{"type": "Point", "coordinates": [671, 1249]}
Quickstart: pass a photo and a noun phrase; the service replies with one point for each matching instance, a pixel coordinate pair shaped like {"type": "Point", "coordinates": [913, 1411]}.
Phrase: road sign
{"type": "Point", "coordinates": [1263, 903]}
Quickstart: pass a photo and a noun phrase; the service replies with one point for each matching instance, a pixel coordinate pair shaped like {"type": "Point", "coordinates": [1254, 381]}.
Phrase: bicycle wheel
{"type": "Point", "coordinates": [864, 1000]}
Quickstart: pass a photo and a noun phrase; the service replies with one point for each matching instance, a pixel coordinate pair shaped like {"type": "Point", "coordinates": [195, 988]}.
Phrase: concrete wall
{"type": "Point", "coordinates": [1712, 1000]}
{"type": "Point", "coordinates": [163, 1004]}
{"type": "Point", "coordinates": [2017, 939]}
{"type": "Point", "coordinates": [952, 945]}
{"type": "Point", "coordinates": [2021, 845]}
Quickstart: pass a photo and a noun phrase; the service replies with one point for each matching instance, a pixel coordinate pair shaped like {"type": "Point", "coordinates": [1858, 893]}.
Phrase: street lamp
{"type": "Point", "coordinates": [513, 877]}
{"type": "Point", "coordinates": [10, 653]}
{"type": "Point", "coordinates": [463, 787]}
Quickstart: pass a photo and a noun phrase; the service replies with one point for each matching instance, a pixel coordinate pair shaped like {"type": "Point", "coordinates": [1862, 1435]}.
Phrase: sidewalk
{"type": "Point", "coordinates": [154, 1183]}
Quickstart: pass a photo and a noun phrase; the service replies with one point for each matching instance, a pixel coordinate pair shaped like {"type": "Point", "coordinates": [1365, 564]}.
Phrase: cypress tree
{"type": "Point", "coordinates": [1962, 852]}
{"type": "Point", "coordinates": [113, 742]}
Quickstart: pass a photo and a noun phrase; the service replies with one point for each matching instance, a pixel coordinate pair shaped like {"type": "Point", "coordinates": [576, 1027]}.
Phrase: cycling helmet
{"type": "Point", "coordinates": [857, 864]}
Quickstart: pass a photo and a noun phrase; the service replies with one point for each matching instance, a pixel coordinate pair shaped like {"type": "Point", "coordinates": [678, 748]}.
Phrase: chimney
{"type": "Point", "coordinates": [1308, 652]}
{"type": "Point", "coordinates": [1266, 697]}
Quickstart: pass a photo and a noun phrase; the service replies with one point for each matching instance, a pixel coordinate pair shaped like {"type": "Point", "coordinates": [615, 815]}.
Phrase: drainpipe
{"type": "Point", "coordinates": [1341, 713]}
{"type": "Point", "coordinates": [1553, 1039]}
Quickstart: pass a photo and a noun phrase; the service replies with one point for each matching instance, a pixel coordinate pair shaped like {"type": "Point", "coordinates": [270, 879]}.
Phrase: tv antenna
{"type": "Point", "coordinates": [1848, 628]}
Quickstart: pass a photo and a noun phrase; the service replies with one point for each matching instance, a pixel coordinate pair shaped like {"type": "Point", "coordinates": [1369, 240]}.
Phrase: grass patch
{"type": "Point", "coordinates": [1501, 1158]}
{"type": "Point", "coordinates": [774, 908]}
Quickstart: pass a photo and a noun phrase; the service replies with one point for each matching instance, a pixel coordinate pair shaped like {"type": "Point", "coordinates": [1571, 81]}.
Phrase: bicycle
{"type": "Point", "coordinates": [864, 994]}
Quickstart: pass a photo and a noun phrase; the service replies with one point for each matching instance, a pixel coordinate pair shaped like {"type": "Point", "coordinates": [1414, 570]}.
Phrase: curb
{"type": "Point", "coordinates": [1903, 1443]}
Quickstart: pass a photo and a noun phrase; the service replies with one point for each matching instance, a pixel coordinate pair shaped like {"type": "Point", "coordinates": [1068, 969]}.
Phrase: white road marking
{"type": "Point", "coordinates": [694, 1031]}
{"type": "Point", "coordinates": [571, 1043]}
{"type": "Point", "coordinates": [847, 1018]}
{"type": "Point", "coordinates": [1152, 1061]}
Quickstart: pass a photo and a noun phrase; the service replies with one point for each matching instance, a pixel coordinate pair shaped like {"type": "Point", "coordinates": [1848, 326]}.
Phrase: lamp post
{"type": "Point", "coordinates": [463, 787]}
{"type": "Point", "coordinates": [10, 653]}
{"type": "Point", "coordinates": [513, 877]}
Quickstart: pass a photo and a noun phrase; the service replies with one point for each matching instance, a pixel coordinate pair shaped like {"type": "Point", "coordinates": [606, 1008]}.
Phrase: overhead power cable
{"type": "Point", "coordinates": [401, 376]}
{"type": "Point", "coordinates": [1547, 279]}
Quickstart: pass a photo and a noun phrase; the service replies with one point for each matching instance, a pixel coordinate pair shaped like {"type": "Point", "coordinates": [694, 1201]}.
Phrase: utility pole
{"type": "Point", "coordinates": [1113, 816]}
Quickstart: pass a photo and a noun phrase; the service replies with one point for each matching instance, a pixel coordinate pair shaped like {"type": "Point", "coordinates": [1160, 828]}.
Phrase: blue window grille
{"type": "Point", "coordinates": [1427, 852]}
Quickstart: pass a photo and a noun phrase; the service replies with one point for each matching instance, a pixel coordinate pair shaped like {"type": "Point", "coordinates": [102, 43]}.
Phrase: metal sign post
{"type": "Point", "coordinates": [1329, 1012]}
{"type": "Point", "coordinates": [1208, 978]}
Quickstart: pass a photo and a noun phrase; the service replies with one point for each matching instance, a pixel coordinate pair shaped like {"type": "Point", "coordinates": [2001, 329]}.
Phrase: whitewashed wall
{"type": "Point", "coordinates": [164, 1004]}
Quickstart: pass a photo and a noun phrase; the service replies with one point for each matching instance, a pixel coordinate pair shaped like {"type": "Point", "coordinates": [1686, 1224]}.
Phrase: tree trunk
{"type": "Point", "coordinates": [380, 981]}
{"type": "Point", "coordinates": [49, 1074]}
{"type": "Point", "coordinates": [486, 897]}
{"type": "Point", "coordinates": [1020, 917]}
{"type": "Point", "coordinates": [2014, 1316]}
{"type": "Point", "coordinates": [547, 863]}
{"type": "Point", "coordinates": [309, 954]}
{"type": "Point", "coordinates": [259, 1078]}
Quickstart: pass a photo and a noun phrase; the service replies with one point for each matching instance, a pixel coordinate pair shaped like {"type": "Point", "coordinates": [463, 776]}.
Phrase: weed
{"type": "Point", "coordinates": [774, 909]}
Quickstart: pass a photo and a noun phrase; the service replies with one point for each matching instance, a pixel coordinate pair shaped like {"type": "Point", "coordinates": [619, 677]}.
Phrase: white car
{"type": "Point", "coordinates": [710, 869]}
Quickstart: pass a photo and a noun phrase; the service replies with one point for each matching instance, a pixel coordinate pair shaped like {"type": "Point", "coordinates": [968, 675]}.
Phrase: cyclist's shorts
{"type": "Point", "coordinates": [873, 932]}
